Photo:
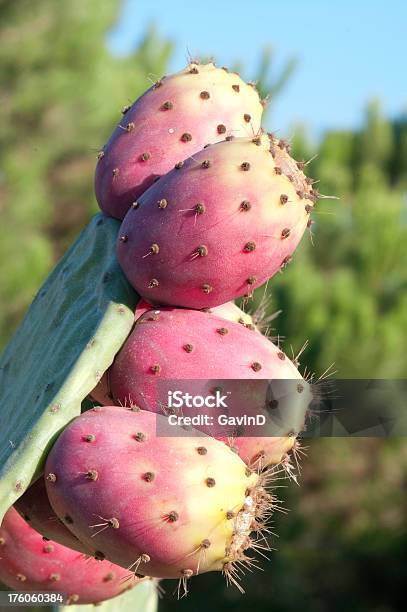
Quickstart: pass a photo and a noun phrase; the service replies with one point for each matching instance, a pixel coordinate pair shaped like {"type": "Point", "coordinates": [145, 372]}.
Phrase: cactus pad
{"type": "Point", "coordinates": [76, 324]}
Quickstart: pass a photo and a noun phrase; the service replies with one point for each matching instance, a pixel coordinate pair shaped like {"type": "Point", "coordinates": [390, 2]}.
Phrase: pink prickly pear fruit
{"type": "Point", "coordinates": [229, 311]}
{"type": "Point", "coordinates": [29, 563]}
{"type": "Point", "coordinates": [219, 226]}
{"type": "Point", "coordinates": [171, 506]}
{"type": "Point", "coordinates": [173, 344]}
{"type": "Point", "coordinates": [35, 509]}
{"type": "Point", "coordinates": [174, 119]}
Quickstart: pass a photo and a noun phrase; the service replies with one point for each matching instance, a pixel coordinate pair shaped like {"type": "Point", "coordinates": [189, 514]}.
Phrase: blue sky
{"type": "Point", "coordinates": [348, 52]}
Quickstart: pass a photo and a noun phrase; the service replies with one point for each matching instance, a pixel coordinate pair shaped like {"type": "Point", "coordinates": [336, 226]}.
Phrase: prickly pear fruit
{"type": "Point", "coordinates": [163, 506]}
{"type": "Point", "coordinates": [29, 563]}
{"type": "Point", "coordinates": [229, 311]}
{"type": "Point", "coordinates": [36, 510]}
{"type": "Point", "coordinates": [179, 344]}
{"type": "Point", "coordinates": [219, 226]}
{"type": "Point", "coordinates": [174, 119]}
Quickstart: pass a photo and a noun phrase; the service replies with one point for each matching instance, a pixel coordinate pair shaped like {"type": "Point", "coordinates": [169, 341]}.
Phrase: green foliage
{"type": "Point", "coordinates": [269, 83]}
{"type": "Point", "coordinates": [346, 290]}
{"type": "Point", "coordinates": [61, 93]}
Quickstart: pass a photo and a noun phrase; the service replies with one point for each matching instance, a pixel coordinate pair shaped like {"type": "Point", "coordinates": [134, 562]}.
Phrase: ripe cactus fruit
{"type": "Point", "coordinates": [179, 344]}
{"type": "Point", "coordinates": [229, 311]}
{"type": "Point", "coordinates": [35, 509]}
{"type": "Point", "coordinates": [174, 119]}
{"type": "Point", "coordinates": [29, 563]}
{"type": "Point", "coordinates": [167, 506]}
{"type": "Point", "coordinates": [234, 214]}
{"type": "Point", "coordinates": [74, 327]}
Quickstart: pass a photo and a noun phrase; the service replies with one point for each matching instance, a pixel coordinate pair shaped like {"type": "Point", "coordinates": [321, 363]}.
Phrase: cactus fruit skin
{"type": "Point", "coordinates": [35, 509]}
{"type": "Point", "coordinates": [180, 344]}
{"type": "Point", "coordinates": [218, 227]}
{"type": "Point", "coordinates": [229, 311]}
{"type": "Point", "coordinates": [29, 563]}
{"type": "Point", "coordinates": [172, 506]}
{"type": "Point", "coordinates": [260, 452]}
{"type": "Point", "coordinates": [174, 119]}
{"type": "Point", "coordinates": [75, 326]}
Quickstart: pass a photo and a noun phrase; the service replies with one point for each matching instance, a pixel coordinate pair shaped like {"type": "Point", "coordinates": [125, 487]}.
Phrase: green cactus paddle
{"type": "Point", "coordinates": [69, 337]}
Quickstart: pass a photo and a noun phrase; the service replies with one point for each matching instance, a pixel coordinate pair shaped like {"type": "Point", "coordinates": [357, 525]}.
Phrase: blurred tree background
{"type": "Point", "coordinates": [343, 546]}
{"type": "Point", "coordinates": [60, 94]}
